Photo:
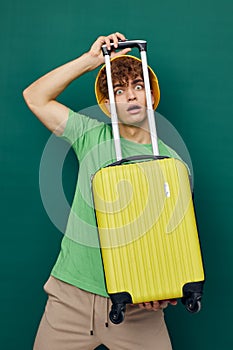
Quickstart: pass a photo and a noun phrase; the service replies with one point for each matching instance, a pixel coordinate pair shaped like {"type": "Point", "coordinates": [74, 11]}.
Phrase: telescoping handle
{"type": "Point", "coordinates": [142, 46]}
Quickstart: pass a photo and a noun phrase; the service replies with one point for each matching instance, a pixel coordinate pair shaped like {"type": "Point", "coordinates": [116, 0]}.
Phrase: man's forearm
{"type": "Point", "coordinates": [41, 95]}
{"type": "Point", "coordinates": [51, 85]}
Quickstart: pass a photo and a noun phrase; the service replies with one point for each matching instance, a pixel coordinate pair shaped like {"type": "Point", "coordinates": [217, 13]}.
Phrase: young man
{"type": "Point", "coordinates": [76, 312]}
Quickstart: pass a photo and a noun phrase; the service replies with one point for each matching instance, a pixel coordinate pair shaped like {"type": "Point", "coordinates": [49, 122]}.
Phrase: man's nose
{"type": "Point", "coordinates": [131, 96]}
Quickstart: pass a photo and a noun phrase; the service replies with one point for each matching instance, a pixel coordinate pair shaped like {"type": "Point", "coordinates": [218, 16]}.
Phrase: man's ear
{"type": "Point", "coordinates": [107, 104]}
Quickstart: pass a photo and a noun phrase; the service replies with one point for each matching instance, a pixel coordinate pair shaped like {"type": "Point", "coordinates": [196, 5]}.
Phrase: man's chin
{"type": "Point", "coordinates": [134, 120]}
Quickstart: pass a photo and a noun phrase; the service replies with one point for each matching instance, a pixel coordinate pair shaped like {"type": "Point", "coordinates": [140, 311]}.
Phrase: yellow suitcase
{"type": "Point", "coordinates": [148, 233]}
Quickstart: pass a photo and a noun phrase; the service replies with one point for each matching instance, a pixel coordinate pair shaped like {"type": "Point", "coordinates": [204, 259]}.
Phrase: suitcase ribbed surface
{"type": "Point", "coordinates": [147, 229]}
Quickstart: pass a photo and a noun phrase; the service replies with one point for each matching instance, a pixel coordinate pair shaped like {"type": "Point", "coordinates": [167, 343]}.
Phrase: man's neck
{"type": "Point", "coordinates": [133, 133]}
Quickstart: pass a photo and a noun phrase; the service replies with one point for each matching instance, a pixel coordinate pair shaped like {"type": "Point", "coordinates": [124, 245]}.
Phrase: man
{"type": "Point", "coordinates": [75, 316]}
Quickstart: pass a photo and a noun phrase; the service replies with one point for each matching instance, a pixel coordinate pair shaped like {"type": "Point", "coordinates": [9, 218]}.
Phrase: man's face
{"type": "Point", "coordinates": [130, 101]}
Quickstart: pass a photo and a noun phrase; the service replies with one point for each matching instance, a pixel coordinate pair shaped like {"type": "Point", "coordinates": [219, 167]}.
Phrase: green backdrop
{"type": "Point", "coordinates": [190, 47]}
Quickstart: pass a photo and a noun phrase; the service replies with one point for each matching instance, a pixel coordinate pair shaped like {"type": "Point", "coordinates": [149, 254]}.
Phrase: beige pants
{"type": "Point", "coordinates": [75, 319]}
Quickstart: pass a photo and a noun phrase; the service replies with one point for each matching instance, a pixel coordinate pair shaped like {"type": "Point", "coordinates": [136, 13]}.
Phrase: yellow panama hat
{"type": "Point", "coordinates": [100, 97]}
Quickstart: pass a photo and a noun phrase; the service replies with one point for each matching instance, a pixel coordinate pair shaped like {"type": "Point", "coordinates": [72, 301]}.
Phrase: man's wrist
{"type": "Point", "coordinates": [93, 61]}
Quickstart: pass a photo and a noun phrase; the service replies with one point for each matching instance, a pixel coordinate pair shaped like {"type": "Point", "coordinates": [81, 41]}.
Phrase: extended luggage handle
{"type": "Point", "coordinates": [142, 46]}
{"type": "Point", "coordinates": [123, 44]}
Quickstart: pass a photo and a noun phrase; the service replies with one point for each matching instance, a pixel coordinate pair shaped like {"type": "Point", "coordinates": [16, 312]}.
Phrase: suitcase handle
{"type": "Point", "coordinates": [141, 44]}
{"type": "Point", "coordinates": [140, 157]}
{"type": "Point", "coordinates": [123, 44]}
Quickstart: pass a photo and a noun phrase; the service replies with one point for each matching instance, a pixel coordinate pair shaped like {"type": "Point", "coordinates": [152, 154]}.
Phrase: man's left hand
{"type": "Point", "coordinates": [157, 305]}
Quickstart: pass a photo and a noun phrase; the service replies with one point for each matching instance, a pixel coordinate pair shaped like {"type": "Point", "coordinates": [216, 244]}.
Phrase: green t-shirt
{"type": "Point", "coordinates": [79, 262]}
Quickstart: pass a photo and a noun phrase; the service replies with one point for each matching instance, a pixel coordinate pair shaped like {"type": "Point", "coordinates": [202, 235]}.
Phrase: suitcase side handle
{"type": "Point", "coordinates": [123, 44]}
{"type": "Point", "coordinates": [135, 158]}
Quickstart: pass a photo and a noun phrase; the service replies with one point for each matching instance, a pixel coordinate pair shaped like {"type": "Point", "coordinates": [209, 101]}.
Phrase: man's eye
{"type": "Point", "coordinates": [138, 87]}
{"type": "Point", "coordinates": [119, 92]}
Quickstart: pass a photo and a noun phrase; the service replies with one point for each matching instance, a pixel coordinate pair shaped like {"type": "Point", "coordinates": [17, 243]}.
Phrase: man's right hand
{"type": "Point", "coordinates": [96, 52]}
{"type": "Point", "coordinates": [41, 95]}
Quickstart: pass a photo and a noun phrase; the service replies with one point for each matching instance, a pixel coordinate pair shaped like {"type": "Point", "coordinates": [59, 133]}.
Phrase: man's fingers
{"type": "Point", "coordinates": [156, 305]}
{"type": "Point", "coordinates": [148, 306]}
{"type": "Point", "coordinates": [122, 52]}
{"type": "Point", "coordinates": [107, 40]}
{"type": "Point", "coordinates": [115, 37]}
{"type": "Point", "coordinates": [153, 305]}
{"type": "Point", "coordinates": [120, 36]}
{"type": "Point", "coordinates": [163, 304]}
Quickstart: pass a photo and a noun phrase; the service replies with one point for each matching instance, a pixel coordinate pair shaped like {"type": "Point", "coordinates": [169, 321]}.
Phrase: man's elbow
{"type": "Point", "coordinates": [31, 100]}
{"type": "Point", "coordinates": [27, 97]}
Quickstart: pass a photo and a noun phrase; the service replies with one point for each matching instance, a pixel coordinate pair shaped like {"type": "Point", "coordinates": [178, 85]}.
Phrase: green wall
{"type": "Point", "coordinates": [190, 47]}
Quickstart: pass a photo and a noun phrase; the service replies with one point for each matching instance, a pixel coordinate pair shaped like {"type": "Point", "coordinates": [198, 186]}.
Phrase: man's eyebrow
{"type": "Point", "coordinates": [135, 81]}
{"type": "Point", "coordinates": [139, 80]}
{"type": "Point", "coordinates": [117, 85]}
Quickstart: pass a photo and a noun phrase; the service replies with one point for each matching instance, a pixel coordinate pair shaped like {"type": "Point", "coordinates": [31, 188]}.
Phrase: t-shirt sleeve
{"type": "Point", "coordinates": [76, 126]}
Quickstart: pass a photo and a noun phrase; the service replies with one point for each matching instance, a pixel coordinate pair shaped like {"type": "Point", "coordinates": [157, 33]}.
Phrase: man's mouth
{"type": "Point", "coordinates": [133, 109]}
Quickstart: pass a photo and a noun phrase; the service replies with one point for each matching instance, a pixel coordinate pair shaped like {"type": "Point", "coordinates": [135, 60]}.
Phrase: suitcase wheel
{"type": "Point", "coordinates": [192, 305]}
{"type": "Point", "coordinates": [192, 295]}
{"type": "Point", "coordinates": [117, 313]}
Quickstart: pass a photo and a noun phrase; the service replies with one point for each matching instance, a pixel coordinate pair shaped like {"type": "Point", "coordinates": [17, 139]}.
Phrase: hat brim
{"type": "Point", "coordinates": [101, 98]}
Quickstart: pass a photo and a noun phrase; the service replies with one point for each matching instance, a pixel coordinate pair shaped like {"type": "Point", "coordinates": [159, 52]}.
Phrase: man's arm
{"type": "Point", "coordinates": [41, 95]}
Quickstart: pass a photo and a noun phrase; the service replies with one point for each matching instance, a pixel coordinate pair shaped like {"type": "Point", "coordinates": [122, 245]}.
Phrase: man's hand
{"type": "Point", "coordinates": [41, 95]}
{"type": "Point", "coordinates": [157, 305]}
{"type": "Point", "coordinates": [95, 50]}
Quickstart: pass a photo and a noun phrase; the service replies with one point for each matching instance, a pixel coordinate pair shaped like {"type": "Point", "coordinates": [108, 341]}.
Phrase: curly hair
{"type": "Point", "coordinates": [122, 70]}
